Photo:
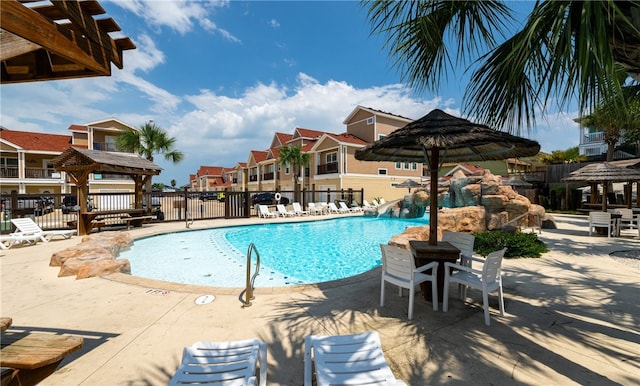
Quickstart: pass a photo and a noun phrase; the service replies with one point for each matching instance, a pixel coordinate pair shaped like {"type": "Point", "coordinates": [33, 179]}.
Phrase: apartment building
{"type": "Point", "coordinates": [25, 159]}
{"type": "Point", "coordinates": [332, 163]}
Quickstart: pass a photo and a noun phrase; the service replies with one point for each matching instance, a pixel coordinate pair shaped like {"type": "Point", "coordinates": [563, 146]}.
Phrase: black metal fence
{"type": "Point", "coordinates": [59, 211]}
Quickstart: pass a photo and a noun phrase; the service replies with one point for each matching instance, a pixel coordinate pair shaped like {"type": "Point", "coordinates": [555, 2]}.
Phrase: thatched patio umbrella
{"type": "Point", "coordinates": [439, 137]}
{"type": "Point", "coordinates": [408, 184]}
{"type": "Point", "coordinates": [603, 173]}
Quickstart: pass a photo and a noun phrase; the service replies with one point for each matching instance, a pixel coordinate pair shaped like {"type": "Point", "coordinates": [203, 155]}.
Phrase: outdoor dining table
{"type": "Point", "coordinates": [424, 253]}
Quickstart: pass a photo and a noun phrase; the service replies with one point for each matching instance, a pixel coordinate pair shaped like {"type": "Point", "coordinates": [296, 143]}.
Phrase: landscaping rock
{"type": "Point", "coordinates": [94, 256]}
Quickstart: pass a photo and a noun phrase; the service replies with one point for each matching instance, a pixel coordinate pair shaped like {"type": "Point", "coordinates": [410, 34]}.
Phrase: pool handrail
{"type": "Point", "coordinates": [250, 284]}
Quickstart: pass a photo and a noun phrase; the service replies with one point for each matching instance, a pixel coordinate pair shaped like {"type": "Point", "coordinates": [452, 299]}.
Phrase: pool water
{"type": "Point", "coordinates": [290, 253]}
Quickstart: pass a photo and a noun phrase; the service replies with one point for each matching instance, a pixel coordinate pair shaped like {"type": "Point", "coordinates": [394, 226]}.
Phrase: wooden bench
{"type": "Point", "coordinates": [35, 356]}
{"type": "Point", "coordinates": [137, 221]}
{"type": "Point", "coordinates": [92, 225]}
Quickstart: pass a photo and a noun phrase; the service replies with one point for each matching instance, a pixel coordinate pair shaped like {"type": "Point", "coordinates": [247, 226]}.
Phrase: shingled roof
{"type": "Point", "coordinates": [97, 161]}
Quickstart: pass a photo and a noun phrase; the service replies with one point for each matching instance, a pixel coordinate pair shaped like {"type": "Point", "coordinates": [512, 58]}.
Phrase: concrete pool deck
{"type": "Point", "coordinates": [572, 317]}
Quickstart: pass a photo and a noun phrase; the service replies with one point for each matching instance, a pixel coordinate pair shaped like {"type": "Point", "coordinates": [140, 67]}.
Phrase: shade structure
{"type": "Point", "coordinates": [439, 137]}
{"type": "Point", "coordinates": [516, 182]}
{"type": "Point", "coordinates": [409, 184]}
{"type": "Point", "coordinates": [604, 173]}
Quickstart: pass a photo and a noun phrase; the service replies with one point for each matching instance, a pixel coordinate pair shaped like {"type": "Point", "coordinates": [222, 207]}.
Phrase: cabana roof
{"type": "Point", "coordinates": [97, 161]}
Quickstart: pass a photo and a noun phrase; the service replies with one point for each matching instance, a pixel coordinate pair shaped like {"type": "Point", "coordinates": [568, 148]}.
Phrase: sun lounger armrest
{"type": "Point", "coordinates": [308, 366]}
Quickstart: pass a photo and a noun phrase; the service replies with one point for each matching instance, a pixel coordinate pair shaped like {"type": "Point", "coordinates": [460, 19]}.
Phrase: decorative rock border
{"type": "Point", "coordinates": [94, 256]}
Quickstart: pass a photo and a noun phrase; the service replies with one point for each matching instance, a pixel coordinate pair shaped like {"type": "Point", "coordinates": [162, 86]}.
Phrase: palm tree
{"type": "Point", "coordinates": [297, 159]}
{"type": "Point", "coordinates": [150, 139]}
{"type": "Point", "coordinates": [565, 50]}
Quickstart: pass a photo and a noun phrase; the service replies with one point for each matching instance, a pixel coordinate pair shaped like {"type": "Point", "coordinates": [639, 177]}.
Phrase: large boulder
{"type": "Point", "coordinates": [96, 255]}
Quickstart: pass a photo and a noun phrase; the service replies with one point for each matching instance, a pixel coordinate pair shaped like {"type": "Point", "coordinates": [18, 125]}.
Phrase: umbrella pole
{"type": "Point", "coordinates": [433, 196]}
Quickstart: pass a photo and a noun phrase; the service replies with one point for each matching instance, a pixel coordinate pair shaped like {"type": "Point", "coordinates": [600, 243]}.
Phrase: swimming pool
{"type": "Point", "coordinates": [290, 253]}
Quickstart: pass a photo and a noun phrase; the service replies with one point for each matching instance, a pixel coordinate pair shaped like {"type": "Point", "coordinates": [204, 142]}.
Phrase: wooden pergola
{"type": "Point", "coordinates": [55, 39]}
{"type": "Point", "coordinates": [80, 163]}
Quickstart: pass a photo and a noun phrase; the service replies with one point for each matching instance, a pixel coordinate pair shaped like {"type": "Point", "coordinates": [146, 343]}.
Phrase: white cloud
{"type": "Point", "coordinates": [180, 16]}
{"type": "Point", "coordinates": [222, 130]}
{"type": "Point", "coordinates": [273, 23]}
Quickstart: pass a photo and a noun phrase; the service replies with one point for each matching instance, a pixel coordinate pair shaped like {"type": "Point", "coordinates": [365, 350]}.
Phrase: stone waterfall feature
{"type": "Point", "coordinates": [469, 204]}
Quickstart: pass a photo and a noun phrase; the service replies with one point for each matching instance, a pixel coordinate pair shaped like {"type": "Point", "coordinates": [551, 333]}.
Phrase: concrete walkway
{"type": "Point", "coordinates": [572, 318]}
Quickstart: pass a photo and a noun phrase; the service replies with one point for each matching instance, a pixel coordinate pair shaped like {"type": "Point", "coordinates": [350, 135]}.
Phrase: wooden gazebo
{"type": "Point", "coordinates": [80, 163]}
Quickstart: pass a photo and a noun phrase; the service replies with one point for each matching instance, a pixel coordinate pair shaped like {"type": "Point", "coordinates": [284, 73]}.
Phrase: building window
{"type": "Point", "coordinates": [398, 165]}
{"type": "Point", "coordinates": [406, 166]}
{"type": "Point", "coordinates": [370, 121]}
{"type": "Point", "coordinates": [332, 157]}
{"type": "Point", "coordinates": [382, 172]}
{"type": "Point", "coordinates": [286, 168]}
{"type": "Point", "coordinates": [380, 136]}
{"type": "Point", "coordinates": [414, 166]}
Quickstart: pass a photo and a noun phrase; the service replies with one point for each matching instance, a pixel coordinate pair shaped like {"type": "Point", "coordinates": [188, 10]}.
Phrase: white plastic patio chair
{"type": "Point", "coordinates": [263, 211]}
{"type": "Point", "coordinates": [628, 220]}
{"type": "Point", "coordinates": [398, 267]}
{"type": "Point", "coordinates": [602, 219]}
{"type": "Point", "coordinates": [223, 363]}
{"type": "Point", "coordinates": [463, 241]}
{"type": "Point", "coordinates": [346, 360]}
{"type": "Point", "coordinates": [487, 280]}
{"type": "Point", "coordinates": [343, 207]}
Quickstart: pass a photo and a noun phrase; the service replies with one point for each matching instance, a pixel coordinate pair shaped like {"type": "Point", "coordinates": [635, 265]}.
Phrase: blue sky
{"type": "Point", "coordinates": [223, 77]}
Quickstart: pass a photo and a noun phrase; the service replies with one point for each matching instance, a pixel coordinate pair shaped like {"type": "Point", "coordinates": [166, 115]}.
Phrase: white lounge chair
{"type": "Point", "coordinates": [282, 211]}
{"type": "Point", "coordinates": [263, 211]}
{"type": "Point", "coordinates": [487, 280]}
{"type": "Point", "coordinates": [8, 241]}
{"type": "Point", "coordinates": [399, 268]}
{"type": "Point", "coordinates": [333, 208]}
{"type": "Point", "coordinates": [347, 360]}
{"type": "Point", "coordinates": [345, 209]}
{"type": "Point", "coordinates": [297, 209]}
{"type": "Point", "coordinates": [223, 363]}
{"type": "Point", "coordinates": [27, 226]}
{"type": "Point", "coordinates": [314, 209]}
{"type": "Point", "coordinates": [366, 205]}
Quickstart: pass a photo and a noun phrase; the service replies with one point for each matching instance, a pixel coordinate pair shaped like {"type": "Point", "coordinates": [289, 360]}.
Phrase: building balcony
{"type": "Point", "coordinates": [589, 138]}
{"type": "Point", "coordinates": [328, 168]}
{"type": "Point", "coordinates": [253, 178]}
{"type": "Point", "coordinates": [35, 173]}
{"type": "Point", "coordinates": [268, 176]}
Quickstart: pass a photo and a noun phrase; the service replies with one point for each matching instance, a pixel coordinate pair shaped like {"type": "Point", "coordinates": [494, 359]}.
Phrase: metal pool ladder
{"type": "Point", "coordinates": [248, 291]}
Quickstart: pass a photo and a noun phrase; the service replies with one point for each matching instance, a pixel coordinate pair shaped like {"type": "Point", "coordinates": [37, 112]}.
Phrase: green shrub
{"type": "Point", "coordinates": [517, 244]}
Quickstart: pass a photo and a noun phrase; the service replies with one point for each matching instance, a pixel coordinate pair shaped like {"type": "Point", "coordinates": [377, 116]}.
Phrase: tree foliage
{"type": "Point", "coordinates": [570, 155]}
{"type": "Point", "coordinates": [566, 50]}
{"type": "Point", "coordinates": [150, 139]}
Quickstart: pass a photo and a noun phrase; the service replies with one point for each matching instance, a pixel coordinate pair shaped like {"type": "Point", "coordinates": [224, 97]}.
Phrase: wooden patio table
{"type": "Point", "coordinates": [424, 253]}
